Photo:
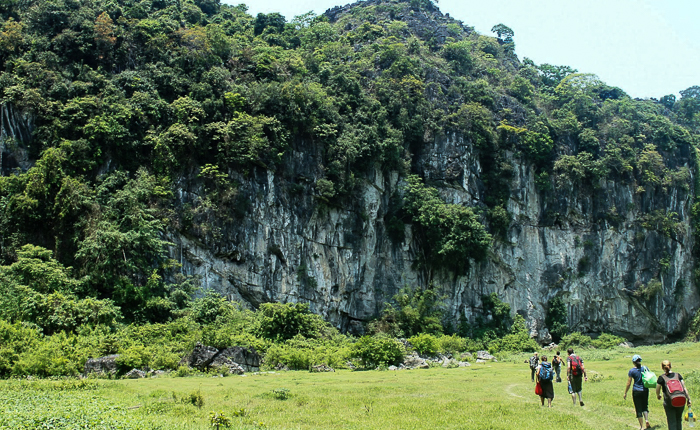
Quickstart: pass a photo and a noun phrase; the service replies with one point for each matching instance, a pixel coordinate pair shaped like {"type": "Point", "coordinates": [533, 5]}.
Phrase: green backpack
{"type": "Point", "coordinates": [649, 378]}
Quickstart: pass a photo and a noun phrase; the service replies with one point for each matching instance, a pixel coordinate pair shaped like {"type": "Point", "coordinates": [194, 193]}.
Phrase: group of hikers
{"type": "Point", "coordinates": [640, 378]}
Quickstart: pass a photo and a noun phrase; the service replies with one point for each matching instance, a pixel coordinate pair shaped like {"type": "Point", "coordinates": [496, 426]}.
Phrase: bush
{"type": "Point", "coordinates": [278, 321]}
{"type": "Point", "coordinates": [607, 341]}
{"type": "Point", "coordinates": [213, 305]}
{"type": "Point", "coordinates": [513, 343]}
{"type": "Point", "coordinates": [411, 312]}
{"type": "Point", "coordinates": [452, 344]}
{"type": "Point", "coordinates": [378, 350]}
{"type": "Point", "coordinates": [300, 353]}
{"type": "Point", "coordinates": [518, 340]}
{"type": "Point", "coordinates": [425, 344]}
{"type": "Point", "coordinates": [575, 339]}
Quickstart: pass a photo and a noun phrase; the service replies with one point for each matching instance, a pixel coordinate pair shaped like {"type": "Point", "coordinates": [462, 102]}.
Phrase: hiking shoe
{"type": "Point", "coordinates": [581, 403]}
{"type": "Point", "coordinates": [648, 425]}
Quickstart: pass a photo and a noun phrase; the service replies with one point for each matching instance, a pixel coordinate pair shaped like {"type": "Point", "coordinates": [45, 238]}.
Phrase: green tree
{"type": "Point", "coordinates": [452, 234]}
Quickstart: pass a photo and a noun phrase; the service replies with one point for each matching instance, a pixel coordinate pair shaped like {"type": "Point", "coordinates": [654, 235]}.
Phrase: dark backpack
{"type": "Point", "coordinates": [674, 390]}
{"type": "Point", "coordinates": [556, 361]}
{"type": "Point", "coordinates": [546, 373]}
{"type": "Point", "coordinates": [576, 366]}
{"type": "Point", "coordinates": [533, 362]}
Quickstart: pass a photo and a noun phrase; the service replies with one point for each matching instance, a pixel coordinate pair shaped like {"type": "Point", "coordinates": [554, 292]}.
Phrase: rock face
{"type": "Point", "coordinates": [589, 248]}
{"type": "Point", "coordinates": [236, 359]}
{"type": "Point", "coordinates": [103, 365]}
{"type": "Point", "coordinates": [16, 130]}
{"type": "Point", "coordinates": [135, 374]}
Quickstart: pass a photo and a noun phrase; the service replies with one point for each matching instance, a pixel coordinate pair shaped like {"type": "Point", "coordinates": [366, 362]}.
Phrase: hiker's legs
{"type": "Point", "coordinates": [674, 417]}
{"type": "Point", "coordinates": [542, 399]}
{"type": "Point", "coordinates": [532, 374]}
{"type": "Point", "coordinates": [558, 370]}
{"type": "Point", "coordinates": [573, 398]}
{"type": "Point", "coordinates": [641, 406]}
{"type": "Point", "coordinates": [549, 402]}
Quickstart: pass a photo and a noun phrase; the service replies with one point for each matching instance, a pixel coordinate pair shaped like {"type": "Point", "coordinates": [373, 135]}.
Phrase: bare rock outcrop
{"type": "Point", "coordinates": [106, 365]}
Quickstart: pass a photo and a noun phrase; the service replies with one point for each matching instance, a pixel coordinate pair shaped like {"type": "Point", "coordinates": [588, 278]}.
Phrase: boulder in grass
{"type": "Point", "coordinates": [106, 365]}
{"type": "Point", "coordinates": [246, 358]}
{"type": "Point", "coordinates": [201, 357]}
{"type": "Point", "coordinates": [484, 355]}
{"type": "Point", "coordinates": [626, 345]}
{"type": "Point", "coordinates": [413, 361]}
{"type": "Point", "coordinates": [229, 366]}
{"type": "Point", "coordinates": [322, 368]}
{"type": "Point", "coordinates": [135, 374]}
{"type": "Point", "coordinates": [281, 367]}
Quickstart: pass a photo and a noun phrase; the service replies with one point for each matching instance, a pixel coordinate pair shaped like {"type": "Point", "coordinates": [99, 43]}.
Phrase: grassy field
{"type": "Point", "coordinates": [483, 396]}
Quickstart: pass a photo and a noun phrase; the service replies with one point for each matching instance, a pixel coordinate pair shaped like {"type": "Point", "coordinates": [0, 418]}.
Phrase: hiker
{"type": "Point", "coordinates": [544, 378]}
{"type": "Point", "coordinates": [640, 393]}
{"type": "Point", "coordinates": [675, 395]}
{"type": "Point", "coordinates": [556, 364]}
{"type": "Point", "coordinates": [534, 361]}
{"type": "Point", "coordinates": [575, 374]}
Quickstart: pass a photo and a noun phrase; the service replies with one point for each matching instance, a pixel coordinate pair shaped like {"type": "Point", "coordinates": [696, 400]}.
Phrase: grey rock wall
{"type": "Point", "coordinates": [588, 248]}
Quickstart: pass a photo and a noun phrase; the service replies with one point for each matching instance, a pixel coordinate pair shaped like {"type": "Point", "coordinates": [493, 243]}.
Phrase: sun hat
{"type": "Point", "coordinates": [636, 358]}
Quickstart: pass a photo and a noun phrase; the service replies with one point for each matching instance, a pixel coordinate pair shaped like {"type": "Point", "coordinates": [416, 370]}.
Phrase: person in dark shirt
{"type": "Point", "coordinates": [534, 362]}
{"type": "Point", "coordinates": [674, 414]}
{"type": "Point", "coordinates": [640, 394]}
{"type": "Point", "coordinates": [556, 364]}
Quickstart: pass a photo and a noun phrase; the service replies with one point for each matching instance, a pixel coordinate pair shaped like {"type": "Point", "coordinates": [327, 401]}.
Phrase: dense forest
{"type": "Point", "coordinates": [116, 110]}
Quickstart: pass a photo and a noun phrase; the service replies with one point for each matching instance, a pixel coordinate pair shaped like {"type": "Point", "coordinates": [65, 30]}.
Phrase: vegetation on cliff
{"type": "Point", "coordinates": [138, 102]}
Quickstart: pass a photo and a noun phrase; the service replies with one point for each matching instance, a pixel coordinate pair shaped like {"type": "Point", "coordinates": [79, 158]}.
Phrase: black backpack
{"type": "Point", "coordinates": [533, 362]}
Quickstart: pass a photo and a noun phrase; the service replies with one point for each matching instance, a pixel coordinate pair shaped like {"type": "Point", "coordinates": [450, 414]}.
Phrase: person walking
{"type": "Point", "coordinates": [544, 376]}
{"type": "Point", "coordinates": [575, 374]}
{"type": "Point", "coordinates": [534, 361]}
{"type": "Point", "coordinates": [675, 395]}
{"type": "Point", "coordinates": [556, 364]}
{"type": "Point", "coordinates": [640, 393]}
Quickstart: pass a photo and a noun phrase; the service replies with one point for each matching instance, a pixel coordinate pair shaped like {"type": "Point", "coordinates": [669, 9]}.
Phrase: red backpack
{"type": "Point", "coordinates": [674, 390]}
{"type": "Point", "coordinates": [576, 366]}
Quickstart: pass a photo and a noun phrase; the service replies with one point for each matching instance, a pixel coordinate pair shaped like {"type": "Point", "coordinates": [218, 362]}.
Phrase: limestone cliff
{"type": "Point", "coordinates": [587, 247]}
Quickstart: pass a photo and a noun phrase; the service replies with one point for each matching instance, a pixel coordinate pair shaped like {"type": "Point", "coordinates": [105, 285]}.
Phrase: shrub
{"type": "Point", "coordinates": [379, 350]}
{"type": "Point", "coordinates": [425, 344]}
{"type": "Point", "coordinates": [207, 309]}
{"type": "Point", "coordinates": [607, 341]}
{"type": "Point", "coordinates": [196, 398]}
{"type": "Point", "coordinates": [412, 311]}
{"type": "Point", "coordinates": [514, 343]}
{"type": "Point", "coordinates": [452, 344]}
{"type": "Point", "coordinates": [518, 340]}
{"type": "Point", "coordinates": [556, 318]}
{"type": "Point", "coordinates": [183, 371]}
{"type": "Point", "coordinates": [134, 357]}
{"type": "Point", "coordinates": [575, 339]}
{"type": "Point", "coordinates": [278, 321]}
{"type": "Point", "coordinates": [301, 353]}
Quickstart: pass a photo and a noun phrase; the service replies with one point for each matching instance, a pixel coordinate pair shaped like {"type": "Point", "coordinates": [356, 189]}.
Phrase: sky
{"type": "Point", "coordinates": [649, 48]}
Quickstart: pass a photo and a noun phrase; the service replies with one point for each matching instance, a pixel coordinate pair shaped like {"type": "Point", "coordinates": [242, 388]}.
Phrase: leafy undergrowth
{"type": "Point", "coordinates": [37, 409]}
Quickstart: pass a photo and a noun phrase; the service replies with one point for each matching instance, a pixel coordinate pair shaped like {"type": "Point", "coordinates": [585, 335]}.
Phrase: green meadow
{"type": "Point", "coordinates": [484, 396]}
